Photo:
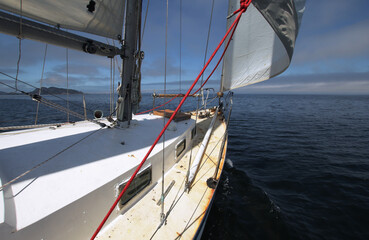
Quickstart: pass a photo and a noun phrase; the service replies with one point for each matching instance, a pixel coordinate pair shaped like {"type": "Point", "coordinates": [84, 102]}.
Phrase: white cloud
{"type": "Point", "coordinates": [338, 83]}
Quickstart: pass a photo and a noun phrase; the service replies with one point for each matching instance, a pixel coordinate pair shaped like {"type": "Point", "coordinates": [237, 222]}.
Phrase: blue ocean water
{"type": "Point", "coordinates": [297, 168]}
{"type": "Point", "coordinates": [300, 169]}
{"type": "Point", "coordinates": [21, 110]}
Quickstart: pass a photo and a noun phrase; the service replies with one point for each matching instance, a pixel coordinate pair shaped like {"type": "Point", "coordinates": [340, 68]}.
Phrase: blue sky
{"type": "Point", "coordinates": [331, 54]}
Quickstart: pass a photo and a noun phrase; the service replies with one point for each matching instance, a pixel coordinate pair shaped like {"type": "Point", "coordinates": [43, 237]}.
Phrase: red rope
{"type": "Point", "coordinates": [244, 5]}
{"type": "Point", "coordinates": [163, 130]}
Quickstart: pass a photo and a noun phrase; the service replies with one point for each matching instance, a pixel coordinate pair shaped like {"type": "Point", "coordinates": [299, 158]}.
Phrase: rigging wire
{"type": "Point", "coordinates": [162, 214]}
{"type": "Point", "coordinates": [112, 73]}
{"type": "Point", "coordinates": [113, 63]}
{"type": "Point", "coordinates": [20, 42]}
{"type": "Point", "coordinates": [111, 85]}
{"type": "Point", "coordinates": [207, 45]}
{"type": "Point", "coordinates": [54, 105]}
{"type": "Point", "coordinates": [45, 91]}
{"type": "Point", "coordinates": [42, 76]}
{"type": "Point", "coordinates": [180, 46]}
{"type": "Point", "coordinates": [18, 62]}
{"type": "Point", "coordinates": [144, 25]}
{"type": "Point", "coordinates": [67, 66]}
{"type": "Point", "coordinates": [115, 58]}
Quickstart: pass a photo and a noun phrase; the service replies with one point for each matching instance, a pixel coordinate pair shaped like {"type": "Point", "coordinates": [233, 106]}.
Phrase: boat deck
{"type": "Point", "coordinates": [184, 211]}
{"type": "Point", "coordinates": [73, 173]}
{"type": "Point", "coordinates": [73, 168]}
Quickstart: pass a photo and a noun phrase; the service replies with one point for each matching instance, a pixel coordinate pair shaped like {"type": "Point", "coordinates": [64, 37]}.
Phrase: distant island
{"type": "Point", "coordinates": [46, 91]}
{"type": "Point", "coordinates": [55, 91]}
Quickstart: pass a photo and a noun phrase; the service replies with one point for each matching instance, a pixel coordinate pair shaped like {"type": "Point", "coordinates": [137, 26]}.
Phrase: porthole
{"type": "Point", "coordinates": [141, 180]}
{"type": "Point", "coordinates": [180, 147]}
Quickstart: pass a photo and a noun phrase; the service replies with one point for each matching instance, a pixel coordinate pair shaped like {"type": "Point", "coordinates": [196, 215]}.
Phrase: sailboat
{"type": "Point", "coordinates": [130, 176]}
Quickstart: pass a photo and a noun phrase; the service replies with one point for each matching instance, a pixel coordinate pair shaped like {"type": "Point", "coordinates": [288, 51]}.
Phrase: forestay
{"type": "Point", "coordinates": [263, 42]}
{"type": "Point", "coordinates": [100, 17]}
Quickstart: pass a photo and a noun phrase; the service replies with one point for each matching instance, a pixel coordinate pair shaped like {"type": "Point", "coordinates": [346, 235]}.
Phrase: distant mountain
{"type": "Point", "coordinates": [55, 91]}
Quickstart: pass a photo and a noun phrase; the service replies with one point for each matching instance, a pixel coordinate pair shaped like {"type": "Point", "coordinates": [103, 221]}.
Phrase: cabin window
{"type": "Point", "coordinates": [181, 146]}
{"type": "Point", "coordinates": [141, 180]}
{"type": "Point", "coordinates": [193, 132]}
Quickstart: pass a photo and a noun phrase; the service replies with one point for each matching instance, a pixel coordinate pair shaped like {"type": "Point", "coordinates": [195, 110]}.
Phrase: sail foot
{"type": "Point", "coordinates": [10, 24]}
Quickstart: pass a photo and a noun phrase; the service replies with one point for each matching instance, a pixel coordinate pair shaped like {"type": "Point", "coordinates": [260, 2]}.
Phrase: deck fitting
{"type": "Point", "coordinates": [212, 183]}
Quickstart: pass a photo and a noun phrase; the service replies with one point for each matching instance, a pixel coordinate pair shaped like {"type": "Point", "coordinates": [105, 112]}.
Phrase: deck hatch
{"type": "Point", "coordinates": [141, 180]}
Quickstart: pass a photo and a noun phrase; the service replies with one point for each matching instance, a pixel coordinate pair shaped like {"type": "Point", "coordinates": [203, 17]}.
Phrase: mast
{"type": "Point", "coordinates": [125, 101]}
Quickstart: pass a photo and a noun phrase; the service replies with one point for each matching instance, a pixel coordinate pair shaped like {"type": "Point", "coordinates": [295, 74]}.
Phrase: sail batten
{"type": "Point", "coordinates": [100, 17]}
{"type": "Point", "coordinates": [263, 43]}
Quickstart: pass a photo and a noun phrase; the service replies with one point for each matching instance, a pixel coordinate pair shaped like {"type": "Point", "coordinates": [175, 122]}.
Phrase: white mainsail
{"type": "Point", "coordinates": [100, 17]}
{"type": "Point", "coordinates": [262, 44]}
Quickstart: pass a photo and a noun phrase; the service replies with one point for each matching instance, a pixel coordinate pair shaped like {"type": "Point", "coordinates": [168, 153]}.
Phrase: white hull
{"type": "Point", "coordinates": [67, 196]}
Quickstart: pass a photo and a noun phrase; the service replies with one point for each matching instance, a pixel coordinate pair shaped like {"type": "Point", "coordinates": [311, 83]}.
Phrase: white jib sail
{"type": "Point", "coordinates": [257, 52]}
{"type": "Point", "coordinates": [100, 17]}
